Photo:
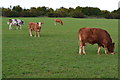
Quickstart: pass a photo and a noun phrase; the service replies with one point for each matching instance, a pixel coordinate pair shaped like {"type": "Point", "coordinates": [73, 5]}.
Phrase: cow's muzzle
{"type": "Point", "coordinates": [112, 53]}
{"type": "Point", "coordinates": [8, 23]}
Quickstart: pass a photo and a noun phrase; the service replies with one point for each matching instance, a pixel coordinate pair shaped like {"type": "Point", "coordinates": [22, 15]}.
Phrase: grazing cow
{"type": "Point", "coordinates": [34, 27]}
{"type": "Point", "coordinates": [95, 35]}
{"type": "Point", "coordinates": [15, 22]}
{"type": "Point", "coordinates": [58, 21]}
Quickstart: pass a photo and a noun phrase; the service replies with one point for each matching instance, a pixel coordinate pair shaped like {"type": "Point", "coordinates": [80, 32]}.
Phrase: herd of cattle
{"type": "Point", "coordinates": [85, 35]}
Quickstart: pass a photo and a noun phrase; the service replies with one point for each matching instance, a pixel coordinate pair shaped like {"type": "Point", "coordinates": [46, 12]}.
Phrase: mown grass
{"type": "Point", "coordinates": [55, 53]}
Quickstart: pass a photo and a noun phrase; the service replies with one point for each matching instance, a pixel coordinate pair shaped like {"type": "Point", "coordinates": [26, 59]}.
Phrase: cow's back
{"type": "Point", "coordinates": [94, 35]}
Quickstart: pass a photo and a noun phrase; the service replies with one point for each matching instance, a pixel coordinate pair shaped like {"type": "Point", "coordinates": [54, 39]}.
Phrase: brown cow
{"type": "Point", "coordinates": [95, 35]}
{"type": "Point", "coordinates": [58, 21]}
{"type": "Point", "coordinates": [34, 27]}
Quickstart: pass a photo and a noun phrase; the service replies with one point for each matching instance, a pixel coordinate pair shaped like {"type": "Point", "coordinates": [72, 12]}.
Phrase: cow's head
{"type": "Point", "coordinates": [40, 23]}
{"type": "Point", "coordinates": [111, 48]}
{"type": "Point", "coordinates": [9, 21]}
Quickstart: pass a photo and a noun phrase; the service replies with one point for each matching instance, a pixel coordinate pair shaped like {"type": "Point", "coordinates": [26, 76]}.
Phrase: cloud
{"type": "Point", "coordinates": [119, 4]}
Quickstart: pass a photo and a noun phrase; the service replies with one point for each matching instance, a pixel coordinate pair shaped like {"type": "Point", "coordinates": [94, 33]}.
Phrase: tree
{"type": "Point", "coordinates": [50, 10]}
{"type": "Point", "coordinates": [43, 11]}
{"type": "Point", "coordinates": [63, 12]}
{"type": "Point", "coordinates": [25, 13]}
{"type": "Point", "coordinates": [78, 8]}
{"type": "Point", "coordinates": [116, 11]}
{"type": "Point", "coordinates": [70, 11]}
{"type": "Point", "coordinates": [90, 11]}
{"type": "Point", "coordinates": [51, 13]}
{"type": "Point", "coordinates": [116, 14]}
{"type": "Point", "coordinates": [17, 9]}
{"type": "Point", "coordinates": [6, 12]}
{"type": "Point", "coordinates": [113, 15]}
{"type": "Point", "coordinates": [0, 11]}
{"type": "Point", "coordinates": [104, 12]}
{"type": "Point", "coordinates": [14, 14]}
{"type": "Point", "coordinates": [78, 14]}
{"type": "Point", "coordinates": [34, 12]}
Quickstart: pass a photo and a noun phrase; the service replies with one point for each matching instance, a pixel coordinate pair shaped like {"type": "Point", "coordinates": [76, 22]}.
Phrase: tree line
{"type": "Point", "coordinates": [78, 12]}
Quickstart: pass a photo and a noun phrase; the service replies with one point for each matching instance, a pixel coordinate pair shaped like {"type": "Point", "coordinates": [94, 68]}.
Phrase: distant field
{"type": "Point", "coordinates": [55, 53]}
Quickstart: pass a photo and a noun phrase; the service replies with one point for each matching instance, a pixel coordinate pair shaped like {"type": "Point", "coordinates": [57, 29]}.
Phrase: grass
{"type": "Point", "coordinates": [55, 53]}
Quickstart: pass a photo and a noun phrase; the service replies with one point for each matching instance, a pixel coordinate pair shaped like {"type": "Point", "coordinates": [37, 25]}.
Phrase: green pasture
{"type": "Point", "coordinates": [55, 53]}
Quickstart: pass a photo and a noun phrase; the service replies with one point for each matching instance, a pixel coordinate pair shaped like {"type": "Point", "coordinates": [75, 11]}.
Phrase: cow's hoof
{"type": "Point", "coordinates": [84, 53]}
{"type": "Point", "coordinates": [80, 54]}
{"type": "Point", "coordinates": [98, 54]}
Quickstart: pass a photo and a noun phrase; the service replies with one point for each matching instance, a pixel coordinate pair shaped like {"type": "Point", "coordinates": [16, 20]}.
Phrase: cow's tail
{"type": "Point", "coordinates": [22, 21]}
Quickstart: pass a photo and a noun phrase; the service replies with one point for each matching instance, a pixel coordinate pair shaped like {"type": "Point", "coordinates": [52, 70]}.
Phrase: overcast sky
{"type": "Point", "coordinates": [109, 5]}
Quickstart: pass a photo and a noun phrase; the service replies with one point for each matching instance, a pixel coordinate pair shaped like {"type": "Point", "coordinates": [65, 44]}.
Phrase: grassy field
{"type": "Point", "coordinates": [55, 53]}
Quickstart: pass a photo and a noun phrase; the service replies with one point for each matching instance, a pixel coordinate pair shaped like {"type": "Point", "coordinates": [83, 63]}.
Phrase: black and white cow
{"type": "Point", "coordinates": [16, 22]}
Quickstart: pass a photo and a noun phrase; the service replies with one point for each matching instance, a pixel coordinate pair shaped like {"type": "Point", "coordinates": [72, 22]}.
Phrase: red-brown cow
{"type": "Point", "coordinates": [58, 21]}
{"type": "Point", "coordinates": [95, 35]}
{"type": "Point", "coordinates": [34, 27]}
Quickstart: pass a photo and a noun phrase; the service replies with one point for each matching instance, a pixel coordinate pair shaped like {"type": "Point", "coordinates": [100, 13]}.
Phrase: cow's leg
{"type": "Point", "coordinates": [55, 23]}
{"type": "Point", "coordinates": [60, 22]}
{"type": "Point", "coordinates": [20, 27]}
{"type": "Point", "coordinates": [81, 48]}
{"type": "Point", "coordinates": [10, 26]}
{"type": "Point", "coordinates": [34, 33]}
{"type": "Point", "coordinates": [106, 51]}
{"type": "Point", "coordinates": [98, 50]}
{"type": "Point", "coordinates": [84, 50]}
{"type": "Point", "coordinates": [17, 27]}
{"type": "Point", "coordinates": [38, 33]}
{"type": "Point", "coordinates": [105, 48]}
{"type": "Point", "coordinates": [30, 31]}
{"type": "Point", "coordinates": [80, 43]}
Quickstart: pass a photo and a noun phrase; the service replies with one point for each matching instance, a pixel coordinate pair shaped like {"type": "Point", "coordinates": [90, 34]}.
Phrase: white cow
{"type": "Point", "coordinates": [16, 22]}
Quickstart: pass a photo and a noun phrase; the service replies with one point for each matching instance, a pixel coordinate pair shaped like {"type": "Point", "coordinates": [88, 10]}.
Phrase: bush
{"type": "Point", "coordinates": [25, 14]}
{"type": "Point", "coordinates": [116, 15]}
{"type": "Point", "coordinates": [14, 14]}
{"type": "Point", "coordinates": [109, 16]}
{"type": "Point", "coordinates": [112, 16]}
{"type": "Point", "coordinates": [78, 14]}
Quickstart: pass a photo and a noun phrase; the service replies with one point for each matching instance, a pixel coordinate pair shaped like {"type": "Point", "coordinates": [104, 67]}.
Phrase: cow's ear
{"type": "Point", "coordinates": [9, 19]}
